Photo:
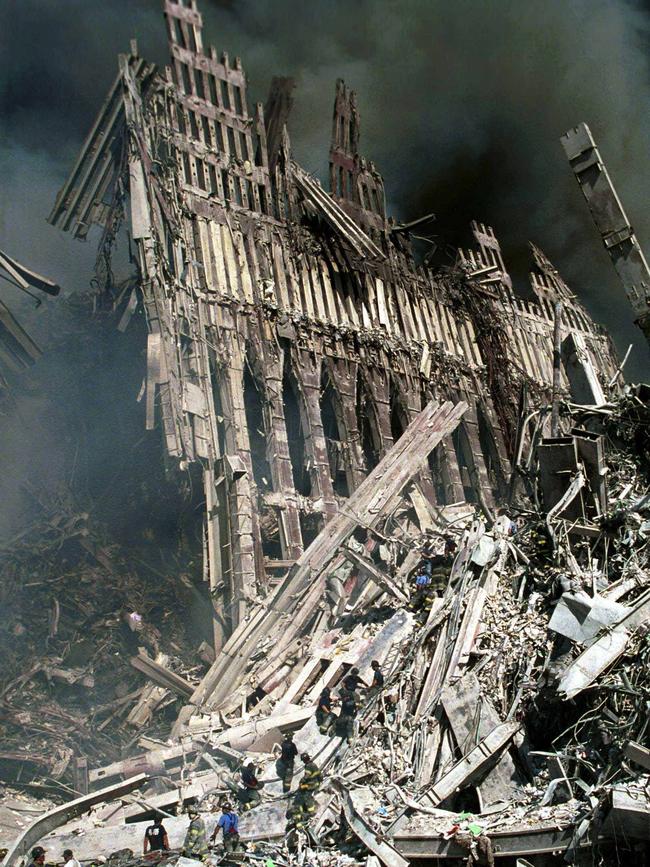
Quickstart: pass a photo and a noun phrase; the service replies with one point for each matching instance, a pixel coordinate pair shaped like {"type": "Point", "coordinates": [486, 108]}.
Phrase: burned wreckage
{"type": "Point", "coordinates": [406, 468]}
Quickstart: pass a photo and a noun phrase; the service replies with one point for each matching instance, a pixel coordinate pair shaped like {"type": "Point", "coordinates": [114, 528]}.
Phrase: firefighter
{"type": "Point", "coordinates": [250, 795]}
{"type": "Point", "coordinates": [284, 765]}
{"type": "Point", "coordinates": [38, 857]}
{"type": "Point", "coordinates": [352, 680]}
{"type": "Point", "coordinates": [312, 778]}
{"type": "Point", "coordinates": [195, 844]}
{"type": "Point", "coordinates": [349, 707]}
{"type": "Point", "coordinates": [324, 715]}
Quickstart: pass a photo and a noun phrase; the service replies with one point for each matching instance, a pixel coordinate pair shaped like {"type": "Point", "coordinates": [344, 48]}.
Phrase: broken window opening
{"type": "Point", "coordinates": [215, 377]}
{"type": "Point", "coordinates": [258, 150]}
{"type": "Point", "coordinates": [310, 527]}
{"type": "Point", "coordinates": [225, 98]}
{"type": "Point", "coordinates": [398, 419]}
{"type": "Point", "coordinates": [239, 107]}
{"type": "Point", "coordinates": [212, 172]}
{"type": "Point", "coordinates": [187, 82]}
{"type": "Point", "coordinates": [226, 185]}
{"type": "Point", "coordinates": [231, 141]}
{"type": "Point", "coordinates": [367, 422]}
{"type": "Point", "coordinates": [194, 127]}
{"type": "Point", "coordinates": [330, 414]}
{"type": "Point", "coordinates": [207, 132]}
{"type": "Point", "coordinates": [187, 168]}
{"type": "Point", "coordinates": [200, 174]}
{"type": "Point", "coordinates": [490, 454]}
{"type": "Point", "coordinates": [236, 185]}
{"type": "Point", "coordinates": [250, 198]}
{"type": "Point", "coordinates": [180, 116]}
{"type": "Point", "coordinates": [295, 431]}
{"type": "Point", "coordinates": [438, 475]}
{"type": "Point", "coordinates": [254, 408]}
{"type": "Point", "coordinates": [192, 38]}
{"type": "Point", "coordinates": [465, 463]}
{"type": "Point", "coordinates": [178, 33]}
{"type": "Point", "coordinates": [212, 87]}
{"type": "Point", "coordinates": [243, 146]}
{"type": "Point", "coordinates": [198, 81]}
{"type": "Point", "coordinates": [261, 192]}
{"type": "Point", "coordinates": [219, 131]}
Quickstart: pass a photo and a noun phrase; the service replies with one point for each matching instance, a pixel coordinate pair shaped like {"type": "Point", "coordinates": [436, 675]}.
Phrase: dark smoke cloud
{"type": "Point", "coordinates": [462, 106]}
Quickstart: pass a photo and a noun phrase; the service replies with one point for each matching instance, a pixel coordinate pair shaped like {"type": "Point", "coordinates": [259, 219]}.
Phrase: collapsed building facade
{"type": "Point", "coordinates": [292, 337]}
{"type": "Point", "coordinates": [330, 385]}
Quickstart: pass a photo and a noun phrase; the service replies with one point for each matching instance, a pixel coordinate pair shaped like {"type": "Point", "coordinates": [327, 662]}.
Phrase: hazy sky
{"type": "Point", "coordinates": [462, 105]}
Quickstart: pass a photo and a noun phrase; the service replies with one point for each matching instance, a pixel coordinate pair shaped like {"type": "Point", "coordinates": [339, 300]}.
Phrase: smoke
{"type": "Point", "coordinates": [462, 106]}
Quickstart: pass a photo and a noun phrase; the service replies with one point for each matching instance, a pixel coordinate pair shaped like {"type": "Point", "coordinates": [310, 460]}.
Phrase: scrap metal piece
{"type": "Point", "coordinates": [611, 220]}
{"type": "Point", "coordinates": [47, 823]}
{"type": "Point", "coordinates": [387, 854]}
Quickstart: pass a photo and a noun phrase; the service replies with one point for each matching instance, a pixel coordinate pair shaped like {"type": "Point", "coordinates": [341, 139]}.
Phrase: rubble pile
{"type": "Point", "coordinates": [77, 613]}
{"type": "Point", "coordinates": [509, 717]}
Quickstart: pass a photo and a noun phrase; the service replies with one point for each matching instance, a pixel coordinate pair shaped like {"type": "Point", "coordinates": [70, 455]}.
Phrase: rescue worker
{"type": "Point", "coordinates": [541, 544]}
{"type": "Point", "coordinates": [377, 679]}
{"type": "Point", "coordinates": [324, 715]}
{"type": "Point", "coordinates": [284, 765]}
{"type": "Point", "coordinates": [69, 860]}
{"type": "Point", "coordinates": [431, 582]}
{"type": "Point", "coordinates": [250, 796]}
{"type": "Point", "coordinates": [229, 823]}
{"type": "Point", "coordinates": [304, 803]}
{"type": "Point", "coordinates": [195, 844]}
{"type": "Point", "coordinates": [345, 722]}
{"type": "Point", "coordinates": [352, 680]}
{"type": "Point", "coordinates": [312, 777]}
{"type": "Point", "coordinates": [155, 837]}
{"type": "Point", "coordinates": [441, 568]}
{"type": "Point", "coordinates": [38, 857]}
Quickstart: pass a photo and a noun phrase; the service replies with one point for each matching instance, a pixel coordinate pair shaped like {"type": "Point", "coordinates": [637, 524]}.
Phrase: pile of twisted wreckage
{"type": "Point", "coordinates": [514, 713]}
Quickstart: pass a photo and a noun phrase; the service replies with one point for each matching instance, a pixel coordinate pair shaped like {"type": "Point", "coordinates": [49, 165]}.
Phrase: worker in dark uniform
{"type": "Point", "coordinates": [431, 581]}
{"type": "Point", "coordinates": [542, 546]}
{"type": "Point", "coordinates": [352, 680]}
{"type": "Point", "coordinates": [441, 568]}
{"type": "Point", "coordinates": [250, 795]}
{"type": "Point", "coordinates": [377, 679]}
{"type": "Point", "coordinates": [349, 708]}
{"type": "Point", "coordinates": [324, 715]}
{"type": "Point", "coordinates": [284, 765]}
{"type": "Point", "coordinates": [38, 857]}
{"type": "Point", "coordinates": [229, 823]}
{"type": "Point", "coordinates": [155, 837]}
{"type": "Point", "coordinates": [195, 844]}
{"type": "Point", "coordinates": [304, 802]}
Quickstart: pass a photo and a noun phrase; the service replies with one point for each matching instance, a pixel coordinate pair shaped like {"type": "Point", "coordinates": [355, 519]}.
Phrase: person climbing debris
{"type": "Point", "coordinates": [284, 765]}
{"type": "Point", "coordinates": [312, 777]}
{"type": "Point", "coordinates": [431, 580]}
{"type": "Point", "coordinates": [249, 795]}
{"type": "Point", "coordinates": [304, 802]}
{"type": "Point", "coordinates": [229, 824]}
{"type": "Point", "coordinates": [195, 844]}
{"type": "Point", "coordinates": [324, 714]}
{"type": "Point", "coordinates": [155, 837]}
{"type": "Point", "coordinates": [349, 707]}
{"type": "Point", "coordinates": [352, 680]}
{"type": "Point", "coordinates": [377, 679]}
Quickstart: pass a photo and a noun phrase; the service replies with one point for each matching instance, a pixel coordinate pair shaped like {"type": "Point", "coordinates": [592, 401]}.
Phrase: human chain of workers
{"type": "Point", "coordinates": [430, 580]}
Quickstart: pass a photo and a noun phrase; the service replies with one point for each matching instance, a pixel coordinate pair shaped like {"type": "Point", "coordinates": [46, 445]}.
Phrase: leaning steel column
{"type": "Point", "coordinates": [611, 221]}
